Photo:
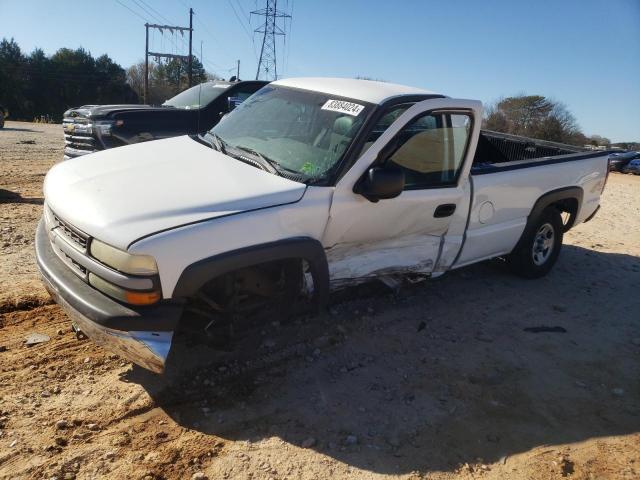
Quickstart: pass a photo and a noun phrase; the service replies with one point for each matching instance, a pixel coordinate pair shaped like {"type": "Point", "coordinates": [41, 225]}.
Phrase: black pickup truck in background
{"type": "Point", "coordinates": [91, 128]}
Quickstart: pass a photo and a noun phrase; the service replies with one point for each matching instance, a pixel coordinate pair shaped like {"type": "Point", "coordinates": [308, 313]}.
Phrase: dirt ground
{"type": "Point", "coordinates": [438, 381]}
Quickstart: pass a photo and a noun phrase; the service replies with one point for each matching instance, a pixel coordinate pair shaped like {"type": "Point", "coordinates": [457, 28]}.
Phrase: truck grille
{"type": "Point", "coordinates": [77, 237]}
{"type": "Point", "coordinates": [78, 137]}
{"type": "Point", "coordinates": [79, 269]}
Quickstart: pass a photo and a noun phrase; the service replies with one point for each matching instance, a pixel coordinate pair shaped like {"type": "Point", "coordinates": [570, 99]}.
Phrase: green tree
{"type": "Point", "coordinates": [37, 81]}
{"type": "Point", "coordinates": [534, 116]}
{"type": "Point", "coordinates": [12, 69]}
{"type": "Point", "coordinates": [36, 85]}
{"type": "Point", "coordinates": [175, 74]}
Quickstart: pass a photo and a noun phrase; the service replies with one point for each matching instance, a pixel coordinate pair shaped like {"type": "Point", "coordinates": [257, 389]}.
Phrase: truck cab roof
{"type": "Point", "coordinates": [370, 91]}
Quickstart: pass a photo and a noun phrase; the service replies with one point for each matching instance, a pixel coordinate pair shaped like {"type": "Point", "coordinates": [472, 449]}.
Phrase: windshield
{"type": "Point", "coordinates": [194, 97]}
{"type": "Point", "coordinates": [300, 131]}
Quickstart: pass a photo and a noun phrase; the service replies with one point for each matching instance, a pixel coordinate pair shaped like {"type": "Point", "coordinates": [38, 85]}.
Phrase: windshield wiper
{"type": "Point", "coordinates": [218, 143]}
{"type": "Point", "coordinates": [275, 166]}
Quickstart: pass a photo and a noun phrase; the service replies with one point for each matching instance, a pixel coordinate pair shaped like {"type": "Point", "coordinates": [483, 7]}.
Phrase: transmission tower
{"type": "Point", "coordinates": [267, 66]}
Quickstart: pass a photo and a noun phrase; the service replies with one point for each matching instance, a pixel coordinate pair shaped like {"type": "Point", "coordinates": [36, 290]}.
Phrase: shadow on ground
{"type": "Point", "coordinates": [440, 375]}
{"type": "Point", "coordinates": [7, 196]}
{"type": "Point", "coordinates": [12, 129]}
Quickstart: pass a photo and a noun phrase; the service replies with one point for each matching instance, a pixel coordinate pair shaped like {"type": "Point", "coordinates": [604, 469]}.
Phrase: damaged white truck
{"type": "Point", "coordinates": [309, 185]}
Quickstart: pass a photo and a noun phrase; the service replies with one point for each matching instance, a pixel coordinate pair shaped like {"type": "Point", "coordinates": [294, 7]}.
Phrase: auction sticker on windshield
{"type": "Point", "coordinates": [343, 107]}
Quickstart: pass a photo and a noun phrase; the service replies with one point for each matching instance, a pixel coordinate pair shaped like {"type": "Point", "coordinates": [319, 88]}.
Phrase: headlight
{"type": "Point", "coordinates": [123, 261]}
{"type": "Point", "coordinates": [119, 293]}
{"type": "Point", "coordinates": [104, 128]}
{"type": "Point", "coordinates": [86, 128]}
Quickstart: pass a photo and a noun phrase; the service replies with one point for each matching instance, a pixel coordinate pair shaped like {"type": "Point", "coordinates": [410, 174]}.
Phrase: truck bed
{"type": "Point", "coordinates": [501, 151]}
{"type": "Point", "coordinates": [502, 201]}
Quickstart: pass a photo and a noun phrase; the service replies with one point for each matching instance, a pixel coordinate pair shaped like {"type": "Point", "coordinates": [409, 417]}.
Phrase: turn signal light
{"type": "Point", "coordinates": [142, 298]}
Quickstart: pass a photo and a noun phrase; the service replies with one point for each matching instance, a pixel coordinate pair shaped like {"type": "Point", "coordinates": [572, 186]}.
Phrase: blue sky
{"type": "Point", "coordinates": [585, 53]}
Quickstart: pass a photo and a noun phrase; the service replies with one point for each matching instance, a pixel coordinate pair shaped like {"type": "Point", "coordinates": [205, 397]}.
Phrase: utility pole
{"type": "Point", "coordinates": [267, 64]}
{"type": "Point", "coordinates": [238, 71]}
{"type": "Point", "coordinates": [159, 55]}
{"type": "Point", "coordinates": [146, 64]}
{"type": "Point", "coordinates": [190, 42]}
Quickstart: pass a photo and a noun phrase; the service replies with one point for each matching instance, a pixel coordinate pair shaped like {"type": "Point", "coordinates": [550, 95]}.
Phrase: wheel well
{"type": "Point", "coordinates": [260, 279]}
{"type": "Point", "coordinates": [566, 200]}
{"type": "Point", "coordinates": [302, 249]}
{"type": "Point", "coordinates": [568, 207]}
{"type": "Point", "coordinates": [238, 300]}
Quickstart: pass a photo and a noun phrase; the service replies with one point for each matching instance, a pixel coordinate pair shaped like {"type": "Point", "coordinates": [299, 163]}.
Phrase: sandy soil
{"type": "Point", "coordinates": [27, 151]}
{"type": "Point", "coordinates": [439, 381]}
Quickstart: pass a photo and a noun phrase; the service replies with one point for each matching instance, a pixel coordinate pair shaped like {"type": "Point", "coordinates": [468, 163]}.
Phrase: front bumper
{"type": "Point", "coordinates": [142, 335]}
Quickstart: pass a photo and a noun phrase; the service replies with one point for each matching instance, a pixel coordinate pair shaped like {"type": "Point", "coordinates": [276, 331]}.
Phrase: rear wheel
{"type": "Point", "coordinates": [1, 120]}
{"type": "Point", "coordinates": [538, 250]}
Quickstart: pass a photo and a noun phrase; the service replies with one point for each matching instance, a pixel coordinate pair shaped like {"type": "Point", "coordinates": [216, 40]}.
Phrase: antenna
{"type": "Point", "coordinates": [267, 64]}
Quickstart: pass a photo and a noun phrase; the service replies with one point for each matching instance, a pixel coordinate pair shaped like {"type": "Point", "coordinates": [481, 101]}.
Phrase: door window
{"type": "Point", "coordinates": [383, 123]}
{"type": "Point", "coordinates": [430, 149]}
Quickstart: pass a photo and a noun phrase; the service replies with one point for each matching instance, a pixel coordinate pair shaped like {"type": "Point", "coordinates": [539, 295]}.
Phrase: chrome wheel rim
{"type": "Point", "coordinates": [543, 244]}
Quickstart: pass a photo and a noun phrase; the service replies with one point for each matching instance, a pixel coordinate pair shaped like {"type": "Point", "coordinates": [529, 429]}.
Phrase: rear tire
{"type": "Point", "coordinates": [1, 120]}
{"type": "Point", "coordinates": [538, 249]}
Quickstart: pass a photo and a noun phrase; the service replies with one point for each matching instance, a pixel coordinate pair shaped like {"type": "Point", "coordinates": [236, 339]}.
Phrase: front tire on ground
{"type": "Point", "coordinates": [538, 249]}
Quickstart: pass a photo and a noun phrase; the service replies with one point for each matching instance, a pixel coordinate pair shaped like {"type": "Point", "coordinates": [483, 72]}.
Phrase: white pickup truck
{"type": "Point", "coordinates": [311, 184]}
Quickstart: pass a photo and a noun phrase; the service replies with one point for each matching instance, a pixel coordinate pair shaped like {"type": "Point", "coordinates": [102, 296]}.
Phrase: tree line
{"type": "Point", "coordinates": [34, 85]}
{"type": "Point", "coordinates": [539, 117]}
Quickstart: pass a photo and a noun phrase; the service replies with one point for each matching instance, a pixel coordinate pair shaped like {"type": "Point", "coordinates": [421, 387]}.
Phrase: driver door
{"type": "Point", "coordinates": [421, 229]}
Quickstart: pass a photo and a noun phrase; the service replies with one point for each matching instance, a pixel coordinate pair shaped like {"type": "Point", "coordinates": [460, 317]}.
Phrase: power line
{"type": "Point", "coordinates": [147, 11]}
{"type": "Point", "coordinates": [162, 18]}
{"type": "Point", "coordinates": [207, 31]}
{"type": "Point", "coordinates": [132, 11]}
{"type": "Point", "coordinates": [246, 16]}
{"type": "Point", "coordinates": [239, 20]}
{"type": "Point", "coordinates": [165, 19]}
{"type": "Point", "coordinates": [157, 16]}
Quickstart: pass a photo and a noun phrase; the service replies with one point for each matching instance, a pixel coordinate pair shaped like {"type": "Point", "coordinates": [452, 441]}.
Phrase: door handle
{"type": "Point", "coordinates": [445, 210]}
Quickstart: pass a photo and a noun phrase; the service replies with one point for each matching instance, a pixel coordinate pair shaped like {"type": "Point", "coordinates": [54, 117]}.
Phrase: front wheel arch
{"type": "Point", "coordinates": [196, 275]}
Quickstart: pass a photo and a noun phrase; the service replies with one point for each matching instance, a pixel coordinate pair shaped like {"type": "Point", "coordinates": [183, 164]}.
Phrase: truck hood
{"type": "Point", "coordinates": [105, 111]}
{"type": "Point", "coordinates": [126, 193]}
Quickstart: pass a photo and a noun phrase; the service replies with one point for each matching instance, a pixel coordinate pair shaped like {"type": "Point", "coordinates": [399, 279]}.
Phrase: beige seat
{"type": "Point", "coordinates": [423, 153]}
{"type": "Point", "coordinates": [339, 137]}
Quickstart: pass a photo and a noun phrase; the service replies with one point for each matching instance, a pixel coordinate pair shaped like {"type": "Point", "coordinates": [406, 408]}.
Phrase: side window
{"type": "Point", "coordinates": [385, 122]}
{"type": "Point", "coordinates": [431, 149]}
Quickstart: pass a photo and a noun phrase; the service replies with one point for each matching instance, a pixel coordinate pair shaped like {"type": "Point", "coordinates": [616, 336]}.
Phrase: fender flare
{"type": "Point", "coordinates": [197, 274]}
{"type": "Point", "coordinates": [554, 196]}
{"type": "Point", "coordinates": [547, 199]}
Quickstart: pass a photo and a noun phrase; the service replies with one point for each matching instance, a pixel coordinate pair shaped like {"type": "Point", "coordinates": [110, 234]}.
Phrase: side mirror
{"type": "Point", "coordinates": [381, 183]}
